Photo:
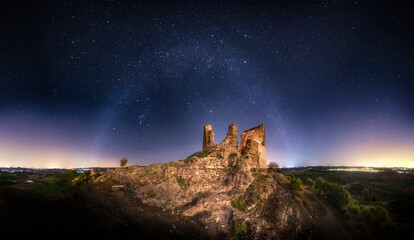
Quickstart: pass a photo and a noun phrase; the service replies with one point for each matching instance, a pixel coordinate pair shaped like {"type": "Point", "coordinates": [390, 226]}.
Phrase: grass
{"type": "Point", "coordinates": [6, 180]}
{"type": "Point", "coordinates": [240, 228]}
{"type": "Point", "coordinates": [204, 194]}
{"type": "Point", "coordinates": [263, 177]}
{"type": "Point", "coordinates": [181, 181]}
{"type": "Point", "coordinates": [239, 204]}
{"type": "Point", "coordinates": [201, 154]}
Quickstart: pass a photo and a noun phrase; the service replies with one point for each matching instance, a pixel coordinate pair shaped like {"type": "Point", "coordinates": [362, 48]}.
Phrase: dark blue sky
{"type": "Point", "coordinates": [87, 83]}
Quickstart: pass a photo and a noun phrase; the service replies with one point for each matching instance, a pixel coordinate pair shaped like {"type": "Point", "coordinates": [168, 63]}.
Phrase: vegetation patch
{"type": "Point", "coordinates": [201, 154]}
{"type": "Point", "coordinates": [181, 181]}
{"type": "Point", "coordinates": [239, 204]}
{"type": "Point", "coordinates": [6, 180]}
{"type": "Point", "coordinates": [233, 155]}
{"type": "Point", "coordinates": [189, 160]}
{"type": "Point", "coordinates": [204, 194]}
{"type": "Point", "coordinates": [151, 194]}
{"type": "Point", "coordinates": [96, 175]}
{"type": "Point", "coordinates": [309, 182]}
{"type": "Point", "coordinates": [263, 177]}
{"type": "Point", "coordinates": [335, 194]}
{"type": "Point", "coordinates": [295, 182]}
{"type": "Point", "coordinates": [354, 209]}
{"type": "Point", "coordinates": [240, 228]}
{"type": "Point", "coordinates": [108, 183]}
{"type": "Point", "coordinates": [84, 177]}
{"type": "Point", "coordinates": [237, 167]}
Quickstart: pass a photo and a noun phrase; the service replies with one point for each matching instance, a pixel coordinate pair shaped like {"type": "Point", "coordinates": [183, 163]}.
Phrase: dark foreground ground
{"type": "Point", "coordinates": [381, 206]}
{"type": "Point", "coordinates": [52, 207]}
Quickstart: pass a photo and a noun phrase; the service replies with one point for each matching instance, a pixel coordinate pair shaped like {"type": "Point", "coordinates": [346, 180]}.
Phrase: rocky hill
{"type": "Point", "coordinates": [225, 190]}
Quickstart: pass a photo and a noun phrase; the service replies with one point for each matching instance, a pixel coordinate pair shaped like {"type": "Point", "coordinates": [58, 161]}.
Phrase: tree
{"type": "Point", "coordinates": [309, 182]}
{"type": "Point", "coordinates": [335, 194]}
{"type": "Point", "coordinates": [319, 182]}
{"type": "Point", "coordinates": [124, 161]}
{"type": "Point", "coordinates": [296, 183]}
{"type": "Point", "coordinates": [273, 165]}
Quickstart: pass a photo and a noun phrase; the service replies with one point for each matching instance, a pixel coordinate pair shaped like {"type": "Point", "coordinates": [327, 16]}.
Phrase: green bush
{"type": "Point", "coordinates": [319, 182]}
{"type": "Point", "coordinates": [354, 209]}
{"type": "Point", "coordinates": [237, 167]}
{"type": "Point", "coordinates": [335, 194]}
{"type": "Point", "coordinates": [240, 228]}
{"type": "Point", "coordinates": [309, 182]}
{"type": "Point", "coordinates": [83, 177]}
{"type": "Point", "coordinates": [367, 213]}
{"type": "Point", "coordinates": [239, 204]}
{"type": "Point", "coordinates": [295, 182]}
{"type": "Point", "coordinates": [381, 214]}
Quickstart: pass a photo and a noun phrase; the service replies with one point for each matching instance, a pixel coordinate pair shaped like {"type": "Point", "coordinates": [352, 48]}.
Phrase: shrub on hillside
{"type": "Point", "coordinates": [239, 204]}
{"type": "Point", "coordinates": [319, 182]}
{"type": "Point", "coordinates": [309, 182]}
{"type": "Point", "coordinates": [335, 194]}
{"type": "Point", "coordinates": [295, 182]}
{"type": "Point", "coordinates": [240, 228]}
{"type": "Point", "coordinates": [354, 209]}
{"type": "Point", "coordinates": [366, 213]}
{"type": "Point", "coordinates": [201, 154]}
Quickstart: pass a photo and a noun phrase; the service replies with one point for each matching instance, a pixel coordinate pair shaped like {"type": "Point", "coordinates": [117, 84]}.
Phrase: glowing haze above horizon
{"type": "Point", "coordinates": [83, 84]}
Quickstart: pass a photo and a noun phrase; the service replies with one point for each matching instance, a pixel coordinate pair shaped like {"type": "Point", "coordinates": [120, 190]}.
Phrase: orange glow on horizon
{"type": "Point", "coordinates": [12, 155]}
{"type": "Point", "coordinates": [384, 154]}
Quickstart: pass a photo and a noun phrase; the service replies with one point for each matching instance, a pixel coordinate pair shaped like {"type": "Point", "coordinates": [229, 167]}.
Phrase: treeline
{"type": "Point", "coordinates": [361, 209]}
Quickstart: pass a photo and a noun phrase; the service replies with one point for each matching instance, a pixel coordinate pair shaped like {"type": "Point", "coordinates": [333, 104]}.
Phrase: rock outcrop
{"type": "Point", "coordinates": [218, 187]}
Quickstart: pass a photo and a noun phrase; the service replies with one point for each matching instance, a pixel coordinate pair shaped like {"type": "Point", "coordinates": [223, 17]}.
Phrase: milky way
{"type": "Point", "coordinates": [107, 80]}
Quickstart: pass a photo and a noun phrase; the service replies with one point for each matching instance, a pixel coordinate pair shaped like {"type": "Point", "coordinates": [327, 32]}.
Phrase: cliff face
{"type": "Point", "coordinates": [220, 187]}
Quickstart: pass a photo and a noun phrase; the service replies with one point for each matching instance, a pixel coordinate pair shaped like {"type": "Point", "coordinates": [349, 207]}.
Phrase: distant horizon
{"type": "Point", "coordinates": [309, 166]}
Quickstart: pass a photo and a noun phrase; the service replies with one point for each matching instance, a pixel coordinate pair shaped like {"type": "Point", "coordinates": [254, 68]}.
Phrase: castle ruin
{"type": "Point", "coordinates": [252, 144]}
{"type": "Point", "coordinates": [208, 137]}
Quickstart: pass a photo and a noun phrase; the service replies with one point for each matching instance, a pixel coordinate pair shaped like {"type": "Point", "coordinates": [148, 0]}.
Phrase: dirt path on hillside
{"type": "Point", "coordinates": [331, 224]}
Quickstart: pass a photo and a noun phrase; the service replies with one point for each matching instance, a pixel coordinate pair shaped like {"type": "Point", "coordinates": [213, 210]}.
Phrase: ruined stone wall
{"type": "Point", "coordinates": [253, 144]}
{"type": "Point", "coordinates": [208, 137]}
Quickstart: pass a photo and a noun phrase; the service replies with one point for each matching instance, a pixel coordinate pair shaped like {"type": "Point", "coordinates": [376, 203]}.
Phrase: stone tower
{"type": "Point", "coordinates": [253, 144]}
{"type": "Point", "coordinates": [208, 137]}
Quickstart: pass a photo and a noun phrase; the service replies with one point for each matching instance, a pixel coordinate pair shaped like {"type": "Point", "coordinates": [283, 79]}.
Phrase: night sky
{"type": "Point", "coordinates": [87, 83]}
